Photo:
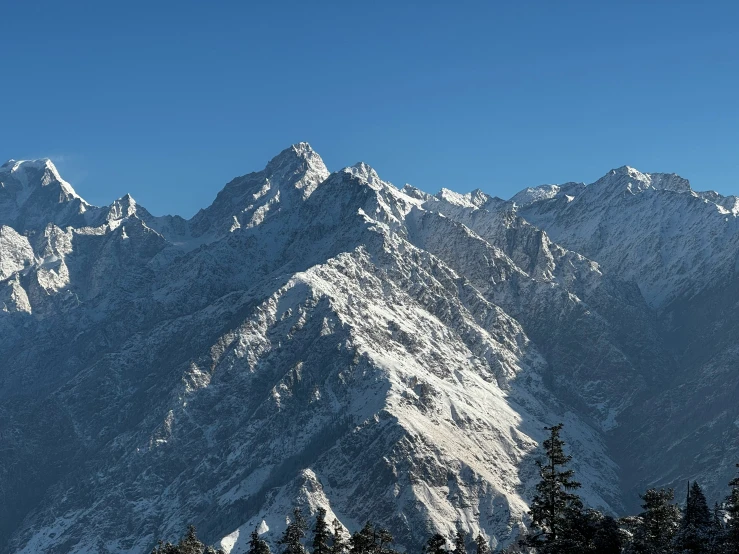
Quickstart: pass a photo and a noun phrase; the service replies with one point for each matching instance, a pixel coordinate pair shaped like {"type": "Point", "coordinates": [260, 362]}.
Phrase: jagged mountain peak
{"type": "Point", "coordinates": [453, 197]}
{"type": "Point", "coordinates": [13, 165]}
{"type": "Point", "coordinates": [290, 177]}
{"type": "Point", "coordinates": [478, 197]}
{"type": "Point", "coordinates": [32, 194]}
{"type": "Point", "coordinates": [627, 170]}
{"type": "Point", "coordinates": [448, 201]}
{"type": "Point", "coordinates": [303, 149]}
{"type": "Point", "coordinates": [474, 199]}
{"type": "Point", "coordinates": [617, 181]}
{"type": "Point", "coordinates": [640, 225]}
{"type": "Point", "coordinates": [530, 195]}
{"type": "Point", "coordinates": [365, 173]}
{"type": "Point", "coordinates": [123, 207]}
{"type": "Point", "coordinates": [40, 172]}
{"type": "Point", "coordinates": [415, 192]}
{"type": "Point", "coordinates": [635, 181]}
{"type": "Point", "coordinates": [299, 160]}
{"type": "Point", "coordinates": [126, 200]}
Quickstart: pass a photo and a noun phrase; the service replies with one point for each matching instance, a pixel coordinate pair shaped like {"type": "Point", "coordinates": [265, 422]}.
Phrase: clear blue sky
{"type": "Point", "coordinates": [170, 100]}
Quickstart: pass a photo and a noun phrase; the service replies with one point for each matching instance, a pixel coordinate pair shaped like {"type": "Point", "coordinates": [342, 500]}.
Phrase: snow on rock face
{"type": "Point", "coordinates": [545, 192]}
{"type": "Point", "coordinates": [635, 181]}
{"type": "Point", "coordinates": [314, 340]}
{"type": "Point", "coordinates": [474, 199]}
{"type": "Point", "coordinates": [15, 252]}
{"type": "Point", "coordinates": [33, 194]}
{"type": "Point", "coordinates": [13, 297]}
{"type": "Point", "coordinates": [122, 208]}
{"type": "Point", "coordinates": [290, 177]}
{"type": "Point", "coordinates": [650, 228]}
{"type": "Point", "coordinates": [680, 247]}
{"type": "Point", "coordinates": [22, 172]}
{"type": "Point", "coordinates": [553, 289]}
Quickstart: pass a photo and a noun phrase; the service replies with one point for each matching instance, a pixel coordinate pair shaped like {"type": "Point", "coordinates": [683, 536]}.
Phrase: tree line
{"type": "Point", "coordinates": [325, 539]}
{"type": "Point", "coordinates": [560, 524]}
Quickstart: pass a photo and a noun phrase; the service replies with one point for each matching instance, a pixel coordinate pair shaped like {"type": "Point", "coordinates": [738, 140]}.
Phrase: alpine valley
{"type": "Point", "coordinates": [321, 339]}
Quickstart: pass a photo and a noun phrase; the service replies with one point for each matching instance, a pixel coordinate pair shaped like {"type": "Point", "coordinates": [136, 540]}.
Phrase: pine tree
{"type": "Point", "coordinates": [435, 545]}
{"type": "Point", "coordinates": [164, 548]}
{"type": "Point", "coordinates": [321, 533]}
{"type": "Point", "coordinates": [257, 545]}
{"type": "Point", "coordinates": [190, 543]}
{"type": "Point", "coordinates": [481, 545]}
{"type": "Point", "coordinates": [554, 507]}
{"type": "Point", "coordinates": [608, 537]}
{"type": "Point", "coordinates": [459, 542]}
{"type": "Point", "coordinates": [658, 522]}
{"type": "Point", "coordinates": [716, 532]}
{"type": "Point", "coordinates": [292, 538]}
{"type": "Point", "coordinates": [371, 540]}
{"type": "Point", "coordinates": [385, 539]}
{"type": "Point", "coordinates": [693, 533]}
{"type": "Point", "coordinates": [338, 541]}
{"type": "Point", "coordinates": [582, 528]}
{"type": "Point", "coordinates": [364, 540]}
{"type": "Point", "coordinates": [732, 514]}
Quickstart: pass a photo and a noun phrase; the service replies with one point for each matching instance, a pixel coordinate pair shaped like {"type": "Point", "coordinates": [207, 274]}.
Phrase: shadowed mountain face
{"type": "Point", "coordinates": [327, 340]}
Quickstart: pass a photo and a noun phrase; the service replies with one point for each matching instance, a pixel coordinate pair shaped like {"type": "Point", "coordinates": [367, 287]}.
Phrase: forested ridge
{"type": "Point", "coordinates": [560, 524]}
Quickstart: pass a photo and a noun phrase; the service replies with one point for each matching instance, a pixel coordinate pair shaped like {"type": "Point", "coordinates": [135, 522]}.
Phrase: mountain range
{"type": "Point", "coordinates": [320, 339]}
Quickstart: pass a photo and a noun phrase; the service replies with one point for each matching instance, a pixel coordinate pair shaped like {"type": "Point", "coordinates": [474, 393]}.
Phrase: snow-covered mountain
{"type": "Point", "coordinates": [649, 228]}
{"type": "Point", "coordinates": [681, 248]}
{"type": "Point", "coordinates": [327, 339]}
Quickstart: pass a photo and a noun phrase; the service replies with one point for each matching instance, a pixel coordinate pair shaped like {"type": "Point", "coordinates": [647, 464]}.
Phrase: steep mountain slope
{"type": "Point", "coordinates": [650, 228]}
{"type": "Point", "coordinates": [311, 338]}
{"type": "Point", "coordinates": [579, 306]}
{"type": "Point", "coordinates": [681, 247]}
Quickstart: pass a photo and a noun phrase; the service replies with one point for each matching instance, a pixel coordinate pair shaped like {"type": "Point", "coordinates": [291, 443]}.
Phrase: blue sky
{"type": "Point", "coordinates": [169, 101]}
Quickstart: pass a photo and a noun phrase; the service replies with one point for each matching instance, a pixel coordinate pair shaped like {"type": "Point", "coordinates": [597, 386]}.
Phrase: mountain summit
{"type": "Point", "coordinates": [329, 340]}
{"type": "Point", "coordinates": [32, 193]}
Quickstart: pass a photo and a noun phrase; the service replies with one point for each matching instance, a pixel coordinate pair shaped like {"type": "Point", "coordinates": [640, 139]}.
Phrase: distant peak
{"type": "Point", "coordinates": [366, 173]}
{"type": "Point", "coordinates": [635, 181]}
{"type": "Point", "coordinates": [451, 196]}
{"type": "Point", "coordinates": [301, 151]}
{"type": "Point", "coordinates": [125, 200]}
{"type": "Point", "coordinates": [122, 208]}
{"type": "Point", "coordinates": [414, 192]}
{"type": "Point", "coordinates": [478, 197]}
{"type": "Point", "coordinates": [11, 166]}
{"type": "Point", "coordinates": [628, 171]}
{"type": "Point", "coordinates": [530, 195]}
{"type": "Point", "coordinates": [303, 148]}
{"type": "Point", "coordinates": [39, 172]}
{"type": "Point", "coordinates": [301, 159]}
{"type": "Point", "coordinates": [364, 168]}
{"type": "Point", "coordinates": [474, 199]}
